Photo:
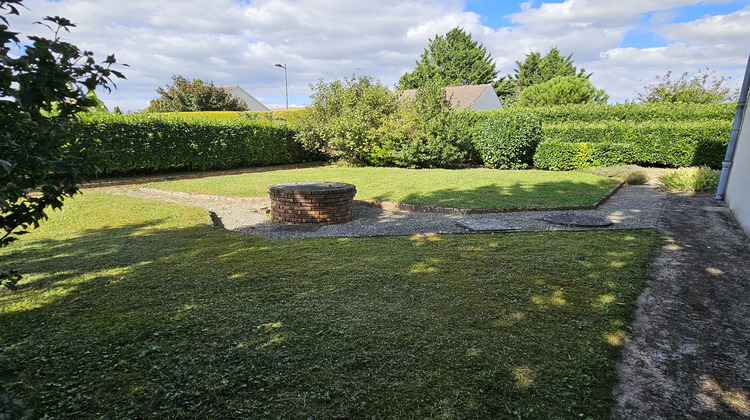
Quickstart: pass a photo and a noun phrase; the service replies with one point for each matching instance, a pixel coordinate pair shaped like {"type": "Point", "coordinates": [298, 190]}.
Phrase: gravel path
{"type": "Point", "coordinates": [633, 207]}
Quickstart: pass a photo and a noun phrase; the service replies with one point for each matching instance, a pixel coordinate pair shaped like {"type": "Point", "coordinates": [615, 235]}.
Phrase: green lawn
{"type": "Point", "coordinates": [139, 309]}
{"type": "Point", "coordinates": [465, 188]}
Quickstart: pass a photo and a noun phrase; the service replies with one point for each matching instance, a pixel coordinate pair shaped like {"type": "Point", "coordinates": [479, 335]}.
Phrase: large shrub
{"type": "Point", "coordinates": [361, 122]}
{"type": "Point", "coordinates": [508, 140]}
{"type": "Point", "coordinates": [430, 134]}
{"type": "Point", "coordinates": [42, 87]}
{"type": "Point", "coordinates": [345, 117]}
{"type": "Point", "coordinates": [148, 142]}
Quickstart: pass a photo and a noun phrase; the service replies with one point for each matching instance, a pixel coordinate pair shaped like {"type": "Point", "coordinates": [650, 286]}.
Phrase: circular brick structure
{"type": "Point", "coordinates": [316, 202]}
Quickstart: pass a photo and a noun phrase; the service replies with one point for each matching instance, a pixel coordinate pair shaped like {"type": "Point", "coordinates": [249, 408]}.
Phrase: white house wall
{"type": "Point", "coordinates": [738, 184]}
{"type": "Point", "coordinates": [487, 100]}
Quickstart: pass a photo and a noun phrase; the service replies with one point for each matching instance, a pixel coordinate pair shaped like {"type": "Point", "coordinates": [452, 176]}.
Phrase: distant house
{"type": "Point", "coordinates": [252, 103]}
{"type": "Point", "coordinates": [476, 97]}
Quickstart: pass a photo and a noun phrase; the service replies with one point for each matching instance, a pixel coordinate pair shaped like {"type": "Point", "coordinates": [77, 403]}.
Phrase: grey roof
{"type": "Point", "coordinates": [461, 97]}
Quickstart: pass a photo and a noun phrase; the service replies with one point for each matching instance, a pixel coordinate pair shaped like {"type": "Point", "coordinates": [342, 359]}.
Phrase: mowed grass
{"type": "Point", "coordinates": [464, 188]}
{"type": "Point", "coordinates": [139, 309]}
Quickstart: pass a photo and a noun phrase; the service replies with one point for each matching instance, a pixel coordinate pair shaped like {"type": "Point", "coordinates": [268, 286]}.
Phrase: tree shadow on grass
{"type": "Point", "coordinates": [193, 321]}
{"type": "Point", "coordinates": [550, 194]}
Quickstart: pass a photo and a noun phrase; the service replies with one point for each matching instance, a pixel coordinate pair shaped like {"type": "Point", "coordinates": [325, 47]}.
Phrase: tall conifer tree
{"type": "Point", "coordinates": [452, 59]}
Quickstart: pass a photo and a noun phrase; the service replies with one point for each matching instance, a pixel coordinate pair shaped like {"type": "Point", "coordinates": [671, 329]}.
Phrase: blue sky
{"type": "Point", "coordinates": [624, 43]}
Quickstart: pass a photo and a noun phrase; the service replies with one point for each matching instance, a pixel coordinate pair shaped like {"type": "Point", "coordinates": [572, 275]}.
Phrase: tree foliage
{"type": "Point", "coordinates": [702, 88]}
{"type": "Point", "coordinates": [452, 59]}
{"type": "Point", "coordinates": [432, 135]}
{"type": "Point", "coordinates": [562, 90]}
{"type": "Point", "coordinates": [41, 90]}
{"type": "Point", "coordinates": [508, 140]}
{"type": "Point", "coordinates": [192, 96]}
{"type": "Point", "coordinates": [345, 116]}
{"type": "Point", "coordinates": [535, 70]}
{"type": "Point", "coordinates": [359, 121]}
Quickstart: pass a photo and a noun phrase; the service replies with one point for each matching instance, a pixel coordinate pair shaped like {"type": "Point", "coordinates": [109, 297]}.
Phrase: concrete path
{"type": "Point", "coordinates": [688, 358]}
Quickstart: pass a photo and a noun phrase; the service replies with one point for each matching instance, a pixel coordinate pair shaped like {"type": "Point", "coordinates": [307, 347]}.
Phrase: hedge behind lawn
{"type": "Point", "coordinates": [152, 142]}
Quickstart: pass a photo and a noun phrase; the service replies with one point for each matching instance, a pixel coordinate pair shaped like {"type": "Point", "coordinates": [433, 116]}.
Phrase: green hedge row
{"type": "Point", "coordinates": [663, 143]}
{"type": "Point", "coordinates": [629, 112]}
{"type": "Point", "coordinates": [151, 143]}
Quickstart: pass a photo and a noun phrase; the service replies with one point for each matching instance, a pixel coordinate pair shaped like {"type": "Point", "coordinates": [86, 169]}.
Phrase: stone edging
{"type": "Point", "coordinates": [389, 205]}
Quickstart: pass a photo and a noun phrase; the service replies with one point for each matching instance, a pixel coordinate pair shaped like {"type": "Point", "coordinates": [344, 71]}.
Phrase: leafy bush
{"type": "Point", "coordinates": [694, 179]}
{"type": "Point", "coordinates": [702, 88]}
{"type": "Point", "coordinates": [42, 88]}
{"type": "Point", "coordinates": [361, 122]}
{"type": "Point", "coordinates": [148, 142]}
{"type": "Point", "coordinates": [508, 141]}
{"type": "Point", "coordinates": [431, 135]}
{"type": "Point", "coordinates": [345, 117]}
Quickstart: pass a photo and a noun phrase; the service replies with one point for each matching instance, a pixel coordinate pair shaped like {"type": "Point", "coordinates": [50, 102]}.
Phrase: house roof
{"type": "Point", "coordinates": [237, 92]}
{"type": "Point", "coordinates": [461, 97]}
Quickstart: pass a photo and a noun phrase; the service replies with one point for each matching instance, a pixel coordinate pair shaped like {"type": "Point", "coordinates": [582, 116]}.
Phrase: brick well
{"type": "Point", "coordinates": [316, 202]}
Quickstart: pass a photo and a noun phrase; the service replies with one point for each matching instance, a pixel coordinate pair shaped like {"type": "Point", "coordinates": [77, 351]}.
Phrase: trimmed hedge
{"type": "Point", "coordinates": [508, 141]}
{"type": "Point", "coordinates": [290, 116]}
{"type": "Point", "coordinates": [632, 112]}
{"type": "Point", "coordinates": [153, 142]}
{"type": "Point", "coordinates": [621, 112]}
{"type": "Point", "coordinates": [661, 143]}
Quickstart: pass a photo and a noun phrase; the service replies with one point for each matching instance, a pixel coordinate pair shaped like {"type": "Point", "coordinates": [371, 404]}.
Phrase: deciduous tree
{"type": "Point", "coordinates": [702, 88]}
{"type": "Point", "coordinates": [41, 90]}
{"type": "Point", "coordinates": [191, 96]}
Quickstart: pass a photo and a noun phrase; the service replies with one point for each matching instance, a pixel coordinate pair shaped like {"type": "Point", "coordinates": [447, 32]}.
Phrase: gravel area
{"type": "Point", "coordinates": [632, 207]}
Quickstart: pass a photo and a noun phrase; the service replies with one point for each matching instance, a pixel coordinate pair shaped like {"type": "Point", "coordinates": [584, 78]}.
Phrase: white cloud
{"type": "Point", "coordinates": [731, 29]}
{"type": "Point", "coordinates": [238, 42]}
